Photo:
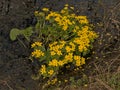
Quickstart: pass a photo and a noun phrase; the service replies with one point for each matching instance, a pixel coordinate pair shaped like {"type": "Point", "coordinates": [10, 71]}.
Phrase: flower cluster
{"type": "Point", "coordinates": [65, 39]}
{"type": "Point", "coordinates": [37, 53]}
{"type": "Point", "coordinates": [66, 20]}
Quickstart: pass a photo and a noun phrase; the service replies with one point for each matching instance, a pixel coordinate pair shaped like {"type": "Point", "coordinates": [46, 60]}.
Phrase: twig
{"type": "Point", "coordinates": [104, 84]}
{"type": "Point", "coordinates": [5, 83]}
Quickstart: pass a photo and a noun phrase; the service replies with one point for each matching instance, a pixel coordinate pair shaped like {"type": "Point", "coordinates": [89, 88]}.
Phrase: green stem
{"type": "Point", "coordinates": [22, 43]}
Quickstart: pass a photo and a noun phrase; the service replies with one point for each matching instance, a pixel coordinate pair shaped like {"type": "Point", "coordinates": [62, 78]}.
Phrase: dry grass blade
{"type": "Point", "coordinates": [104, 84]}
{"type": "Point", "coordinates": [6, 83]}
{"type": "Point", "coordinates": [118, 70]}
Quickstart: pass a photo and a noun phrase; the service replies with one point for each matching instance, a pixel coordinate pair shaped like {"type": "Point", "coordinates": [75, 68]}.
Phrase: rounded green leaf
{"type": "Point", "coordinates": [14, 33]}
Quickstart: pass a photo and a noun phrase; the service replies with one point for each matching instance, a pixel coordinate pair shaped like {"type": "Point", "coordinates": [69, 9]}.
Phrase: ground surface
{"type": "Point", "coordinates": [15, 68]}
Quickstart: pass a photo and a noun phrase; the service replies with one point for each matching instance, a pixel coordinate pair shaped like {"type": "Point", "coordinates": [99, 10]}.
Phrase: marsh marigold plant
{"type": "Point", "coordinates": [62, 38]}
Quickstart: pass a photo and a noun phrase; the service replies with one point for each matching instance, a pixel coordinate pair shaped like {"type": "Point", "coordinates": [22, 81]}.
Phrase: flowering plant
{"type": "Point", "coordinates": [63, 38]}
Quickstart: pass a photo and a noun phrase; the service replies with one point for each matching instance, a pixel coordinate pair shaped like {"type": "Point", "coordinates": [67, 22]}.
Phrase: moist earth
{"type": "Point", "coordinates": [15, 67]}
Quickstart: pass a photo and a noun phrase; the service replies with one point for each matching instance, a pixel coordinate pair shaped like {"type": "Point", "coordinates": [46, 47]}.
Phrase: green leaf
{"type": "Point", "coordinates": [37, 26]}
{"type": "Point", "coordinates": [27, 32]}
{"type": "Point", "coordinates": [86, 52]}
{"type": "Point", "coordinates": [42, 58]}
{"type": "Point", "coordinates": [14, 33]}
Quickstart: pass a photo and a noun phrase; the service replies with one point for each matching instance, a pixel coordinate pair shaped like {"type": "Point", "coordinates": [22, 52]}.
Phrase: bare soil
{"type": "Point", "coordinates": [15, 67]}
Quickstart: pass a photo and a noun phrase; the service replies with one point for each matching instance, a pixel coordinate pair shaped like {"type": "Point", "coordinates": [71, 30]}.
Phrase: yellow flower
{"type": "Point", "coordinates": [37, 53]}
{"type": "Point", "coordinates": [55, 48]}
{"type": "Point", "coordinates": [82, 60]}
{"type": "Point", "coordinates": [52, 44]}
{"type": "Point", "coordinates": [85, 28]}
{"type": "Point", "coordinates": [72, 16]}
{"type": "Point", "coordinates": [59, 53]}
{"type": "Point", "coordinates": [77, 60]}
{"type": "Point", "coordinates": [62, 11]}
{"type": "Point", "coordinates": [65, 27]}
{"type": "Point", "coordinates": [50, 72]}
{"type": "Point", "coordinates": [62, 43]}
{"type": "Point", "coordinates": [54, 62]}
{"type": "Point", "coordinates": [52, 53]}
{"type": "Point", "coordinates": [54, 81]}
{"type": "Point", "coordinates": [73, 46]}
{"type": "Point", "coordinates": [78, 63]}
{"type": "Point", "coordinates": [68, 58]}
{"type": "Point", "coordinates": [60, 63]}
{"type": "Point", "coordinates": [45, 9]}
{"type": "Point", "coordinates": [43, 69]}
{"type": "Point", "coordinates": [68, 49]}
{"type": "Point", "coordinates": [77, 57]}
{"type": "Point", "coordinates": [57, 19]}
{"type": "Point", "coordinates": [81, 48]}
{"type": "Point", "coordinates": [82, 19]}
{"type": "Point", "coordinates": [36, 44]}
{"type": "Point", "coordinates": [77, 40]}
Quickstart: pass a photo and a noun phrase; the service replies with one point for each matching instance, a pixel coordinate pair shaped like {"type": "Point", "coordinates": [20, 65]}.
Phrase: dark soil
{"type": "Point", "coordinates": [16, 69]}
